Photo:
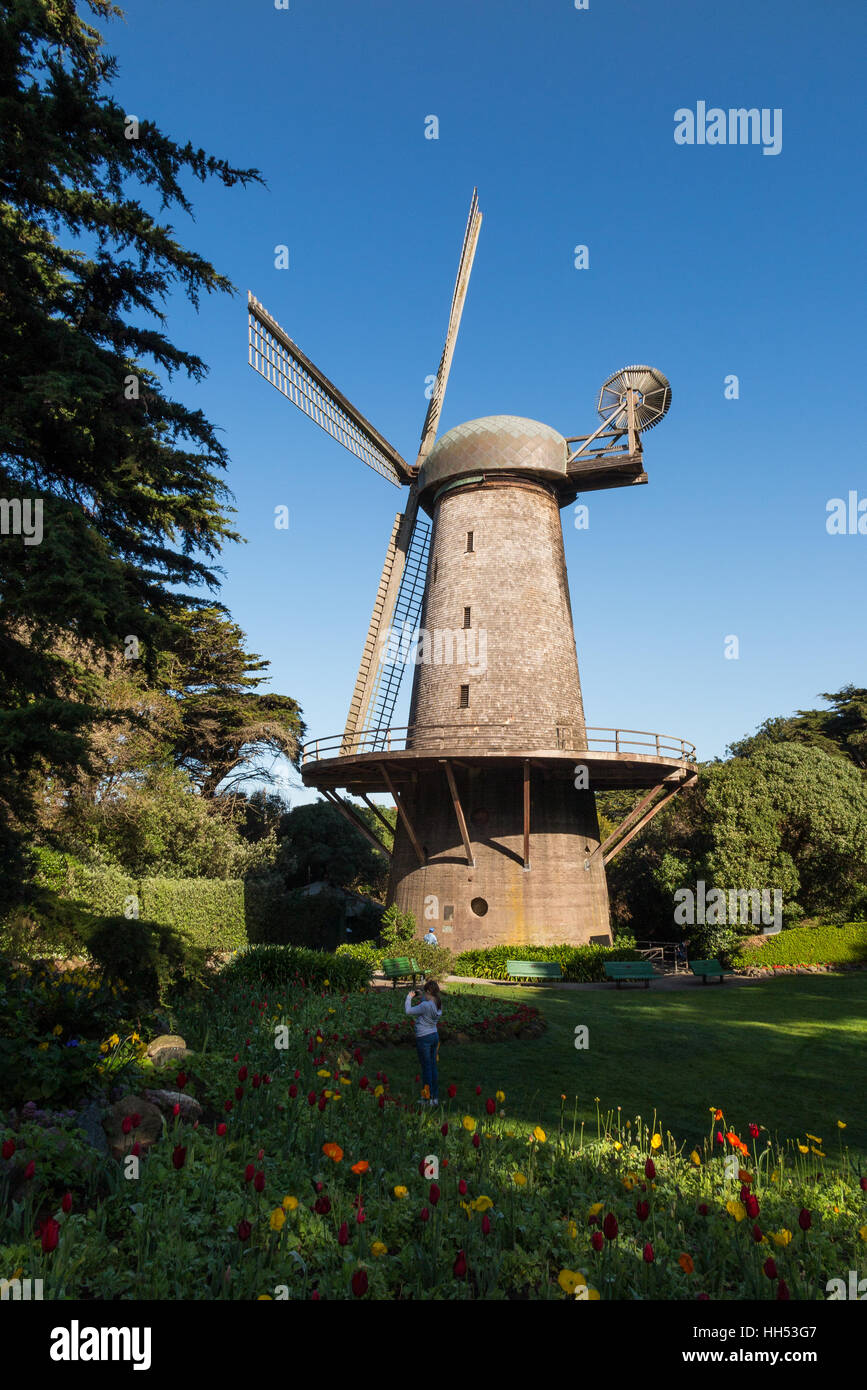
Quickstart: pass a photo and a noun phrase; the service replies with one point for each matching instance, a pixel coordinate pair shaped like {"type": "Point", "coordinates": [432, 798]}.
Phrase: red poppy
{"type": "Point", "coordinates": [648, 1254]}
{"type": "Point", "coordinates": [642, 1211]}
{"type": "Point", "coordinates": [179, 1155]}
{"type": "Point", "coordinates": [66, 1204]}
{"type": "Point", "coordinates": [359, 1283]}
{"type": "Point", "coordinates": [343, 1234]}
{"type": "Point", "coordinates": [805, 1220]}
{"type": "Point", "coordinates": [434, 1194]}
{"type": "Point", "coordinates": [609, 1226]}
{"type": "Point", "coordinates": [244, 1229]}
{"type": "Point", "coordinates": [249, 1172]}
{"type": "Point", "coordinates": [752, 1205]}
{"type": "Point", "coordinates": [770, 1267]}
{"type": "Point", "coordinates": [597, 1240]}
{"type": "Point", "coordinates": [754, 1131]}
{"type": "Point", "coordinates": [459, 1268]}
{"type": "Point", "coordinates": [50, 1233]}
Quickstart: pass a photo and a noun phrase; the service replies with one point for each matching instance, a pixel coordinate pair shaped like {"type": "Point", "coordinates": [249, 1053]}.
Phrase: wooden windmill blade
{"type": "Point", "coordinates": [404, 574]}
{"type": "Point", "coordinates": [465, 265]}
{"type": "Point", "coordinates": [279, 360]}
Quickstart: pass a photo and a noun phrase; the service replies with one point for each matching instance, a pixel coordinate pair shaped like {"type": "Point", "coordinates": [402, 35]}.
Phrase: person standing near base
{"type": "Point", "coordinates": [426, 1014]}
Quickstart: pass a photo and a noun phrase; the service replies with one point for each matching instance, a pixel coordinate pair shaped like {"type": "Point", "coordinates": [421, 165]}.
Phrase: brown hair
{"type": "Point", "coordinates": [431, 987]}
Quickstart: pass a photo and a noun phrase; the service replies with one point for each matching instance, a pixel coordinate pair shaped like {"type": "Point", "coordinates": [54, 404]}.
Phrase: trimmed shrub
{"type": "Point", "coordinates": [210, 911]}
{"type": "Point", "coordinates": [581, 964]}
{"type": "Point", "coordinates": [272, 965]}
{"type": "Point", "coordinates": [822, 945]}
{"type": "Point", "coordinates": [145, 957]}
{"type": "Point", "coordinates": [367, 952]}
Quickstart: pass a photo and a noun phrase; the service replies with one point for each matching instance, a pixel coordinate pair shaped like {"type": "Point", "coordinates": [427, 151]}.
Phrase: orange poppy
{"type": "Point", "coordinates": [685, 1262]}
{"type": "Point", "coordinates": [361, 1166]}
{"type": "Point", "coordinates": [717, 1114]}
{"type": "Point", "coordinates": [333, 1151]}
{"type": "Point", "coordinates": [744, 1177]}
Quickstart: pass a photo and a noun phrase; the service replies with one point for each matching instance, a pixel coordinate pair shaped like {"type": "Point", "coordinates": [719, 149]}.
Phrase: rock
{"type": "Point", "coordinates": [90, 1121]}
{"type": "Point", "coordinates": [165, 1101]}
{"type": "Point", "coordinates": [147, 1131]}
{"type": "Point", "coordinates": [166, 1048]}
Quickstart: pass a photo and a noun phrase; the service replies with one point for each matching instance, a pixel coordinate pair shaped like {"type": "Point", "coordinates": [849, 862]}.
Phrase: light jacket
{"type": "Point", "coordinates": [425, 1015]}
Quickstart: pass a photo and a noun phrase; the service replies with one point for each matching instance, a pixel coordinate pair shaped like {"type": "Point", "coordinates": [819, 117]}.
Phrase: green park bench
{"type": "Point", "coordinates": [533, 970]}
{"type": "Point", "coordinates": [637, 970]}
{"type": "Point", "coordinates": [400, 968]}
{"type": "Point", "coordinates": [708, 970]}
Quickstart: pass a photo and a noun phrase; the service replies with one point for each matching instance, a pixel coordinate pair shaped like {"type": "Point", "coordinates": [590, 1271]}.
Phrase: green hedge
{"type": "Point", "coordinates": [211, 912]}
{"type": "Point", "coordinates": [274, 965]}
{"type": "Point", "coordinates": [846, 945]}
{"type": "Point", "coordinates": [433, 960]}
{"type": "Point", "coordinates": [579, 964]}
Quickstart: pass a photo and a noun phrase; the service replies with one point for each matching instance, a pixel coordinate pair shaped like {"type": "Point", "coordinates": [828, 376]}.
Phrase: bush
{"type": "Point", "coordinates": [316, 921]}
{"type": "Point", "coordinates": [272, 965]}
{"type": "Point", "coordinates": [146, 957]}
{"type": "Point", "coordinates": [210, 911]}
{"type": "Point", "coordinates": [581, 964]}
{"type": "Point", "coordinates": [822, 945]}
{"type": "Point", "coordinates": [366, 952]}
{"type": "Point", "coordinates": [435, 961]}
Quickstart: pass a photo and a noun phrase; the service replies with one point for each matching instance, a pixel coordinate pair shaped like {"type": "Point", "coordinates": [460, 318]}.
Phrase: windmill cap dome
{"type": "Point", "coordinates": [507, 443]}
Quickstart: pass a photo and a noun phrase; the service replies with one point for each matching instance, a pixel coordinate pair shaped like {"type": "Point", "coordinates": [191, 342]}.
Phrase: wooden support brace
{"type": "Point", "coordinates": [526, 814]}
{"type": "Point", "coordinates": [401, 811]}
{"type": "Point", "coordinates": [377, 812]}
{"type": "Point", "coordinates": [670, 793]}
{"type": "Point", "coordinates": [459, 812]}
{"type": "Point", "coordinates": [356, 820]}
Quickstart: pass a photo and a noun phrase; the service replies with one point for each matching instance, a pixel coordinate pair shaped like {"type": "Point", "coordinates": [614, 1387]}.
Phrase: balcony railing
{"type": "Point", "coordinates": [495, 738]}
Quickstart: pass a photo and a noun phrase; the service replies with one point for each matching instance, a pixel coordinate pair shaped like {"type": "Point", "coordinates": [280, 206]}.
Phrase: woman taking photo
{"type": "Point", "coordinates": [425, 1015]}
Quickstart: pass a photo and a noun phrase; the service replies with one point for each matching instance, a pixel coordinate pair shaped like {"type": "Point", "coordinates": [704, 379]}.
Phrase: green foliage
{"type": "Point", "coordinates": [212, 913]}
{"type": "Point", "coordinates": [365, 952]}
{"type": "Point", "coordinates": [146, 958]}
{"type": "Point", "coordinates": [397, 930]}
{"type": "Point", "coordinates": [272, 966]}
{"type": "Point", "coordinates": [435, 961]}
{"type": "Point", "coordinates": [840, 730]}
{"type": "Point", "coordinates": [313, 920]}
{"type": "Point", "coordinates": [581, 964]}
{"type": "Point", "coordinates": [822, 945]}
{"type": "Point", "coordinates": [318, 844]}
{"type": "Point", "coordinates": [135, 507]}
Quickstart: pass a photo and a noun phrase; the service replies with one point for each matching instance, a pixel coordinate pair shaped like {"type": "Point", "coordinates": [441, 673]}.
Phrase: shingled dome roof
{"type": "Point", "coordinates": [505, 442]}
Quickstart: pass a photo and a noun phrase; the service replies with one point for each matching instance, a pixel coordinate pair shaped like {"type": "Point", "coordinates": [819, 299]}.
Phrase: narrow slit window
{"type": "Point", "coordinates": [469, 540]}
{"type": "Point", "coordinates": [467, 617]}
{"type": "Point", "coordinates": [465, 697]}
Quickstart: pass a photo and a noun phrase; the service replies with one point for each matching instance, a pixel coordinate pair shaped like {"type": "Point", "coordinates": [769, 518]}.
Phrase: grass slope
{"type": "Point", "coordinates": [787, 1053]}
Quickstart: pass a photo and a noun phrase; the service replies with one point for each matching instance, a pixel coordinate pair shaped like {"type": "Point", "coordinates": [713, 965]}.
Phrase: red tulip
{"type": "Point", "coordinates": [29, 1170]}
{"type": "Point", "coordinates": [648, 1254]}
{"type": "Point", "coordinates": [359, 1283]}
{"type": "Point", "coordinates": [293, 1090]}
{"type": "Point", "coordinates": [50, 1234]}
{"type": "Point", "coordinates": [719, 1137]}
{"type": "Point", "coordinates": [805, 1220]}
{"type": "Point", "coordinates": [462, 1188]}
{"type": "Point", "coordinates": [650, 1169]}
{"type": "Point", "coordinates": [490, 1105]}
{"type": "Point", "coordinates": [181, 1080]}
{"type": "Point", "coordinates": [702, 1209]}
{"type": "Point", "coordinates": [242, 1071]}
{"type": "Point", "coordinates": [478, 1090]}
{"type": "Point", "coordinates": [770, 1267]}
{"type": "Point", "coordinates": [221, 1129]}
{"type": "Point", "coordinates": [179, 1156]}
{"type": "Point", "coordinates": [757, 1234]}
{"type": "Point", "coordinates": [754, 1131]}
{"type": "Point", "coordinates": [249, 1172]}
{"type": "Point", "coordinates": [228, 1107]}
{"type": "Point", "coordinates": [239, 1093]}
{"type": "Point", "coordinates": [486, 1224]}
{"type": "Point", "coordinates": [381, 1102]}
{"type": "Point", "coordinates": [609, 1226]}
{"type": "Point", "coordinates": [136, 1149]}
{"type": "Point", "coordinates": [311, 1097]}
{"type": "Point", "coordinates": [259, 1181]}
{"type": "Point", "coordinates": [315, 1296]}
{"type": "Point", "coordinates": [257, 1081]}
{"type": "Point", "coordinates": [452, 1092]}
{"type": "Point", "coordinates": [459, 1268]}
{"type": "Point", "coordinates": [176, 1109]}
{"type": "Point", "coordinates": [9, 1149]}
{"type": "Point", "coordinates": [260, 1155]}
{"type": "Point", "coordinates": [597, 1240]}
{"type": "Point", "coordinates": [322, 1205]}
{"type": "Point", "coordinates": [296, 1073]}
{"type": "Point", "coordinates": [424, 1214]}
{"type": "Point", "coordinates": [363, 1083]}
{"type": "Point", "coordinates": [642, 1211]}
{"type": "Point", "coordinates": [66, 1204]}
{"type": "Point", "coordinates": [476, 1141]}
{"type": "Point", "coordinates": [360, 1216]}
{"type": "Point", "coordinates": [244, 1229]}
{"type": "Point", "coordinates": [434, 1194]}
{"type": "Point", "coordinates": [863, 1180]}
{"type": "Point", "coordinates": [782, 1290]}
{"type": "Point", "coordinates": [126, 1124]}
{"type": "Point", "coordinates": [343, 1234]}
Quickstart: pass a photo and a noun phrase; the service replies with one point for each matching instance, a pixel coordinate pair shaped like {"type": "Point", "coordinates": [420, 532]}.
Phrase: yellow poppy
{"type": "Point", "coordinates": [569, 1279]}
{"type": "Point", "coordinates": [57, 1030]}
{"type": "Point", "coordinates": [815, 1138]}
{"type": "Point", "coordinates": [323, 1072]}
{"type": "Point", "coordinates": [482, 1204]}
{"type": "Point", "coordinates": [379, 1090]}
{"type": "Point", "coordinates": [656, 1141]}
{"type": "Point", "coordinates": [377, 1249]}
{"type": "Point", "coordinates": [278, 1219]}
{"type": "Point", "coordinates": [695, 1158]}
{"type": "Point", "coordinates": [401, 1191]}
{"type": "Point", "coordinates": [539, 1133]}
{"type": "Point", "coordinates": [595, 1209]}
{"type": "Point", "coordinates": [469, 1123]}
{"type": "Point", "coordinates": [290, 1203]}
{"type": "Point", "coordinates": [736, 1209]}
{"type": "Point", "coordinates": [781, 1237]}
{"type": "Point", "coordinates": [803, 1148]}
{"type": "Point", "coordinates": [863, 1232]}
{"type": "Point", "coordinates": [501, 1096]}
{"type": "Point", "coordinates": [520, 1179]}
{"type": "Point", "coordinates": [841, 1124]}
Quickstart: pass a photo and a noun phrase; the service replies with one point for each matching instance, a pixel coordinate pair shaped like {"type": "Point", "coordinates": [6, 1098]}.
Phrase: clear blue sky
{"type": "Point", "coordinates": [704, 261]}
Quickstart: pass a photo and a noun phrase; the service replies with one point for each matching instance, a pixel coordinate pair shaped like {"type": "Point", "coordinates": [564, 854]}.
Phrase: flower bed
{"type": "Point", "coordinates": [303, 1177]}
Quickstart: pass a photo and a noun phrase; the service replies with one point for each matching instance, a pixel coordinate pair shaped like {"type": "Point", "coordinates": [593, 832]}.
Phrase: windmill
{"type": "Point", "coordinates": [493, 778]}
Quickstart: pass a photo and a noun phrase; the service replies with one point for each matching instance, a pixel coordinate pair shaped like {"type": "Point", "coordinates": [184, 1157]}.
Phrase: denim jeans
{"type": "Point", "coordinates": [427, 1048]}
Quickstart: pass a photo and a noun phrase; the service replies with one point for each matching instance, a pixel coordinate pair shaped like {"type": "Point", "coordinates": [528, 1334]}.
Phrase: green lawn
{"type": "Point", "coordinates": [788, 1053]}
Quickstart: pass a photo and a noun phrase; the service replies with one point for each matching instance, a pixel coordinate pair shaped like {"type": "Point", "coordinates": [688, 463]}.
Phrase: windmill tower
{"type": "Point", "coordinates": [494, 777]}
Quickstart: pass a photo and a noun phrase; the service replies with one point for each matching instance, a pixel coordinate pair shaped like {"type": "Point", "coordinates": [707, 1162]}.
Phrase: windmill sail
{"type": "Point", "coordinates": [273, 354]}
